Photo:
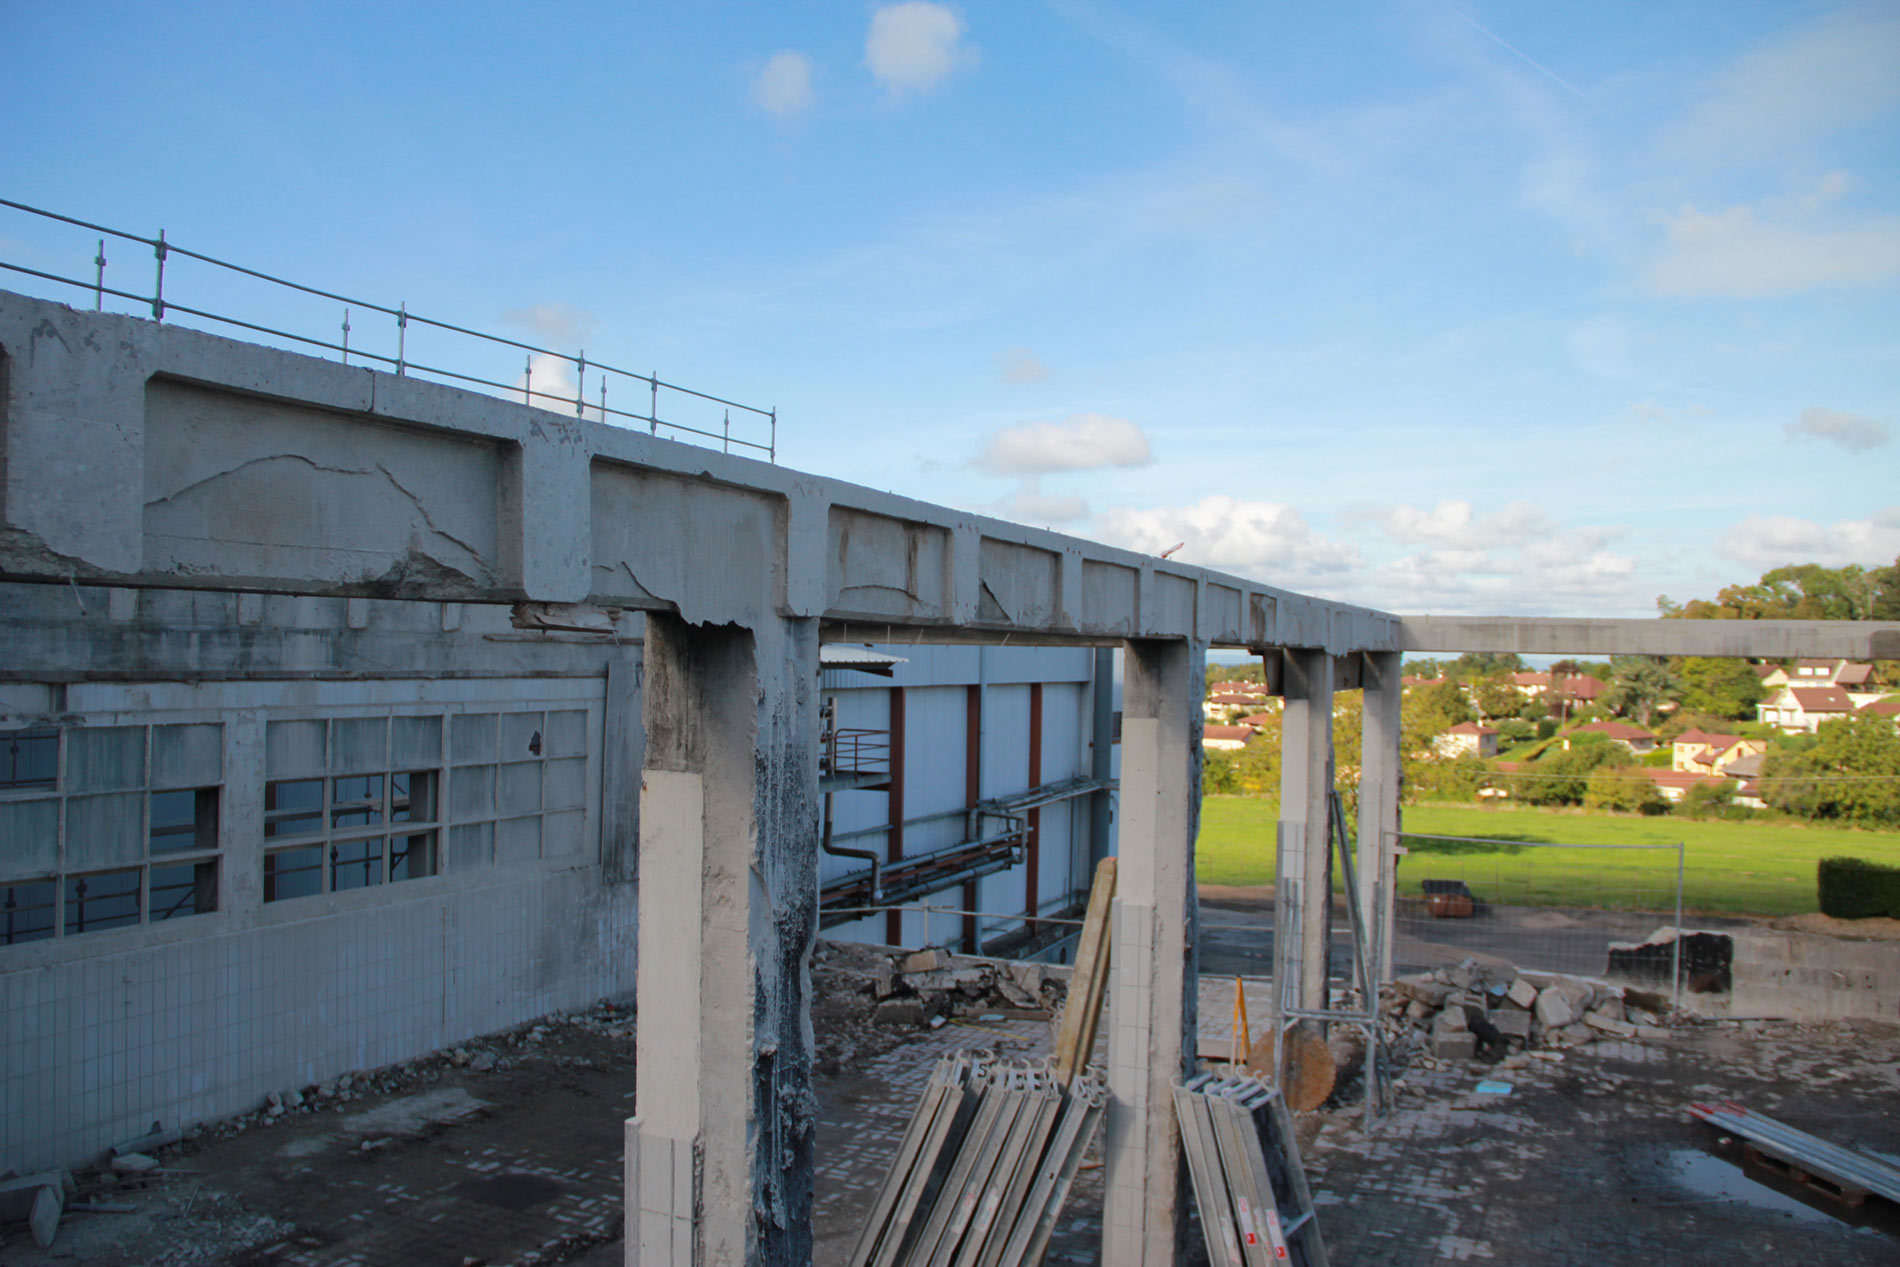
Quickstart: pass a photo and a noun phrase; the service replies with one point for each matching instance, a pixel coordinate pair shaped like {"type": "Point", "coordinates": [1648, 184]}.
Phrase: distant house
{"type": "Point", "coordinates": [1675, 784]}
{"type": "Point", "coordinates": [1771, 675]}
{"type": "Point", "coordinates": [1888, 708]}
{"type": "Point", "coordinates": [1226, 738]}
{"type": "Point", "coordinates": [1798, 709]}
{"type": "Point", "coordinates": [1634, 738]}
{"type": "Point", "coordinates": [1422, 683]}
{"type": "Point", "coordinates": [1225, 702]}
{"type": "Point", "coordinates": [1531, 684]}
{"type": "Point", "coordinates": [1256, 721]}
{"type": "Point", "coordinates": [1702, 753]}
{"type": "Point", "coordinates": [1467, 739]}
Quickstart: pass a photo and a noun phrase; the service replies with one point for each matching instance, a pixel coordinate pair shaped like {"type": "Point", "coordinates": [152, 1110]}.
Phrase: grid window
{"type": "Point", "coordinates": [29, 759]}
{"type": "Point", "coordinates": [107, 827]}
{"type": "Point", "coordinates": [349, 831]}
{"type": "Point", "coordinates": [26, 912]}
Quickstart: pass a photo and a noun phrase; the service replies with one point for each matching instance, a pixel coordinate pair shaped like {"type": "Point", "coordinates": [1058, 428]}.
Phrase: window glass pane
{"type": "Point", "coordinates": [412, 857]}
{"type": "Point", "coordinates": [29, 839]}
{"type": "Point", "coordinates": [518, 839]}
{"type": "Point", "coordinates": [187, 756]}
{"type": "Point", "coordinates": [567, 783]}
{"type": "Point", "coordinates": [567, 733]}
{"type": "Point", "coordinates": [293, 808]}
{"type": "Point", "coordinates": [95, 902]}
{"type": "Point", "coordinates": [26, 912]}
{"type": "Point", "coordinates": [356, 801]}
{"type": "Point", "coordinates": [472, 738]}
{"type": "Point", "coordinates": [188, 888]}
{"type": "Point", "coordinates": [472, 845]}
{"type": "Point", "coordinates": [356, 865]}
{"type": "Point", "coordinates": [412, 797]}
{"type": "Point", "coordinates": [472, 792]}
{"type": "Point", "coordinates": [29, 758]}
{"type": "Point", "coordinates": [293, 873]}
{"type": "Point", "coordinates": [359, 743]}
{"type": "Point", "coordinates": [415, 741]}
{"type": "Point", "coordinates": [521, 736]}
{"type": "Point", "coordinates": [521, 788]}
{"type": "Point", "coordinates": [105, 831]}
{"type": "Point", "coordinates": [294, 749]}
{"type": "Point", "coordinates": [105, 758]}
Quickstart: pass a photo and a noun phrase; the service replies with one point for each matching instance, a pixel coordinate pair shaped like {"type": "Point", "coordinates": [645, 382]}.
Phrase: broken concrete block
{"type": "Point", "coordinates": [900, 1012]}
{"type": "Point", "coordinates": [1452, 1019]}
{"type": "Point", "coordinates": [482, 1062]}
{"type": "Point", "coordinates": [1027, 975]}
{"type": "Point", "coordinates": [134, 1163]}
{"type": "Point", "coordinates": [1576, 1035]}
{"type": "Point", "coordinates": [1431, 993]}
{"type": "Point", "coordinates": [1608, 1024]}
{"type": "Point", "coordinates": [1454, 1044]}
{"type": "Point", "coordinates": [885, 984]}
{"type": "Point", "coordinates": [1651, 1032]}
{"type": "Point", "coordinates": [1512, 1023]}
{"type": "Point", "coordinates": [17, 1195]}
{"type": "Point", "coordinates": [1522, 993]}
{"type": "Point", "coordinates": [1611, 1006]}
{"type": "Point", "coordinates": [1553, 1009]}
{"type": "Point", "coordinates": [1418, 1009]}
{"type": "Point", "coordinates": [928, 960]}
{"type": "Point", "coordinates": [48, 1204]}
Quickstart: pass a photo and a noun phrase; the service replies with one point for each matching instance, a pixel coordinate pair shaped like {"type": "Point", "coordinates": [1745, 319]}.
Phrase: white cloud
{"type": "Point", "coordinates": [558, 323]}
{"type": "Point", "coordinates": [1783, 97]}
{"type": "Point", "coordinates": [1080, 442]}
{"type": "Point", "coordinates": [914, 46]}
{"type": "Point", "coordinates": [1454, 524]}
{"type": "Point", "coordinates": [1851, 431]}
{"type": "Point", "coordinates": [1029, 504]}
{"type": "Point", "coordinates": [1020, 365]}
{"type": "Point", "coordinates": [1270, 541]}
{"type": "Point", "coordinates": [1772, 541]}
{"type": "Point", "coordinates": [1773, 248]}
{"type": "Point", "coordinates": [783, 86]}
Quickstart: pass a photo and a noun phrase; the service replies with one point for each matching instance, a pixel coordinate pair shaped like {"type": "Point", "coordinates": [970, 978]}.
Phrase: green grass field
{"type": "Point", "coordinates": [1737, 868]}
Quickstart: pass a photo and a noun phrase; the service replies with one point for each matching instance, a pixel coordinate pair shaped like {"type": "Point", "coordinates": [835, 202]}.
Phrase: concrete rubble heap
{"type": "Point", "coordinates": [1494, 1012]}
{"type": "Point", "coordinates": [926, 987]}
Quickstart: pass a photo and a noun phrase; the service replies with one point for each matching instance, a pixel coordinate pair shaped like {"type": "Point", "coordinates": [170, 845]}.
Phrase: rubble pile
{"type": "Point", "coordinates": [921, 986]}
{"type": "Point", "coordinates": [1499, 1014]}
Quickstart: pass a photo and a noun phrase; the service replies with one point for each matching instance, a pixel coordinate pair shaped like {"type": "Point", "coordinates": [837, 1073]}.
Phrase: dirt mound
{"type": "Point", "coordinates": [1873, 928]}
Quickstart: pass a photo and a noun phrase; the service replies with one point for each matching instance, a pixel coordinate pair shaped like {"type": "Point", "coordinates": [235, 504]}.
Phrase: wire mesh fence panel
{"type": "Point", "coordinates": [1545, 907]}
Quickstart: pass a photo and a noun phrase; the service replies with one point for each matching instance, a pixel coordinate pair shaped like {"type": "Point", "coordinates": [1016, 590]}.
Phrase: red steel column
{"type": "Point", "coordinates": [894, 920]}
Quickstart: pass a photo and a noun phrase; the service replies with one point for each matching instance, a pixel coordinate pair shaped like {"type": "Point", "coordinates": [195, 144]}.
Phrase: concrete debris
{"type": "Point", "coordinates": [134, 1164]}
{"type": "Point", "coordinates": [48, 1204]}
{"type": "Point", "coordinates": [1499, 1015]}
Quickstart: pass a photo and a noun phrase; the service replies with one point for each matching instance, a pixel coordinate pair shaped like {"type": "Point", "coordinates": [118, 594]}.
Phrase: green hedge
{"type": "Point", "coordinates": [1853, 888]}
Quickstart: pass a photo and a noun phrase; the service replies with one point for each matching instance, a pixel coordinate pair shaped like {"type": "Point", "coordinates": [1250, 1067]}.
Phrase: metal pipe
{"type": "Point", "coordinates": [843, 851]}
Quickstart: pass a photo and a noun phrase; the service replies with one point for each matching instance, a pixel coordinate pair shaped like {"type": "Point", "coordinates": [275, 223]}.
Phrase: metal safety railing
{"type": "Point", "coordinates": [401, 319]}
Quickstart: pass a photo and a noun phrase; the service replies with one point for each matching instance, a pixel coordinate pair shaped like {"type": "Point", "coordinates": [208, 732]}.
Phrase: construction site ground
{"type": "Point", "coordinates": [508, 1151]}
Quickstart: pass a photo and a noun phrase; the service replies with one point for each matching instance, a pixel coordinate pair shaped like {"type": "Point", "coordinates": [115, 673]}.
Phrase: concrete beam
{"type": "Point", "coordinates": [1304, 871]}
{"type": "Point", "coordinates": [1153, 975]}
{"type": "Point", "coordinates": [1758, 639]}
{"type": "Point", "coordinates": [212, 464]}
{"type": "Point", "coordinates": [1379, 787]}
{"type": "Point", "coordinates": [720, 1157]}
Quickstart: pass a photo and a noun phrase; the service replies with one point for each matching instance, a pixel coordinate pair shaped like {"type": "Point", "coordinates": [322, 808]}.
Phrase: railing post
{"type": "Point", "coordinates": [772, 452]}
{"type": "Point", "coordinates": [725, 442]}
{"type": "Point", "coordinates": [346, 336]}
{"type": "Point", "coordinates": [653, 407]}
{"type": "Point", "coordinates": [402, 335]}
{"type": "Point", "coordinates": [527, 380]}
{"type": "Point", "coordinates": [580, 384]}
{"type": "Point", "coordinates": [99, 282]}
{"type": "Point", "coordinates": [158, 297]}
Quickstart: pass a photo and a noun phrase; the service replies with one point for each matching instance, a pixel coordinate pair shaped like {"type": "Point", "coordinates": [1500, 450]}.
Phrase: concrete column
{"type": "Point", "coordinates": [719, 1158]}
{"type": "Point", "coordinates": [1304, 873]}
{"type": "Point", "coordinates": [1152, 1004]}
{"type": "Point", "coordinates": [1379, 787]}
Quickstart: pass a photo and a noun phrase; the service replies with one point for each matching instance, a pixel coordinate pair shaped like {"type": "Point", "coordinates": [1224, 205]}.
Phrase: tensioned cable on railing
{"type": "Point", "coordinates": [654, 384]}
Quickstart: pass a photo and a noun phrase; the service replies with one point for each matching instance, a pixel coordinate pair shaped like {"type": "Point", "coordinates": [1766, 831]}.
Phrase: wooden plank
{"type": "Point", "coordinates": [1082, 1009]}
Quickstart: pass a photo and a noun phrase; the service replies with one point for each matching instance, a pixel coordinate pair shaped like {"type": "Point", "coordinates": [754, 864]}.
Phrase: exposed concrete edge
{"type": "Point", "coordinates": [1766, 639]}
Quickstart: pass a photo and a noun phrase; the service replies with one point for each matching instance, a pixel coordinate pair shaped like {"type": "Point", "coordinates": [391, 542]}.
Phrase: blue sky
{"type": "Point", "coordinates": [1496, 307]}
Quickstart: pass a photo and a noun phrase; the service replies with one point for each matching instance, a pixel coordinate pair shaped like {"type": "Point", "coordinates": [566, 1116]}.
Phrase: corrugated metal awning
{"type": "Point", "coordinates": [838, 655]}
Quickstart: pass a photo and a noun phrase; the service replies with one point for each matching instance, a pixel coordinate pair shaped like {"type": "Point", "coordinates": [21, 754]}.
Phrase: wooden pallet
{"type": "Point", "coordinates": [1833, 1189]}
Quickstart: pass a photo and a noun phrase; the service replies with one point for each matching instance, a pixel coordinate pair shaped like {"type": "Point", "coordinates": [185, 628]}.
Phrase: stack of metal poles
{"type": "Point", "coordinates": [1248, 1181]}
{"type": "Point", "coordinates": [984, 1168]}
